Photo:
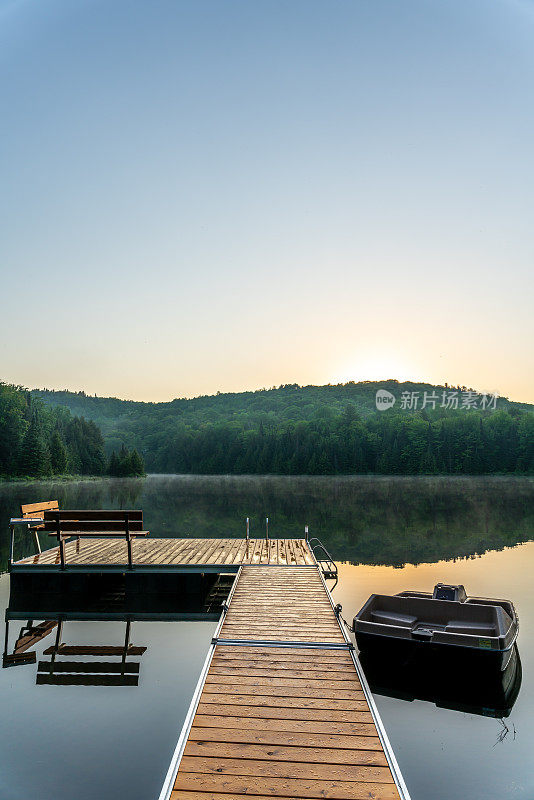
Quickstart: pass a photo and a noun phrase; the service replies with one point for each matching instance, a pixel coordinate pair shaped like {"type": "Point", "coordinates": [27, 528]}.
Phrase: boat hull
{"type": "Point", "coordinates": [447, 655]}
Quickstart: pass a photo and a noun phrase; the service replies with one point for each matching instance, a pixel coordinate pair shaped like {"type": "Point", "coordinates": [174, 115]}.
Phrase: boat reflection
{"type": "Point", "coordinates": [489, 693]}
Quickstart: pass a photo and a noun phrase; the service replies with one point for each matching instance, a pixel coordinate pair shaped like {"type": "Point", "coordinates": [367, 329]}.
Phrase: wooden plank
{"type": "Point", "coordinates": [285, 653]}
{"type": "Point", "coordinates": [92, 514]}
{"type": "Point", "coordinates": [35, 635]}
{"type": "Point", "coordinates": [93, 650]}
{"type": "Point", "coordinates": [87, 680]}
{"type": "Point", "coordinates": [264, 702]}
{"type": "Point", "coordinates": [278, 752]}
{"type": "Point", "coordinates": [285, 712]}
{"type": "Point", "coordinates": [240, 552]}
{"type": "Point", "coordinates": [301, 737]}
{"type": "Point", "coordinates": [282, 636]}
{"type": "Point", "coordinates": [175, 554]}
{"type": "Point", "coordinates": [321, 727]}
{"type": "Point", "coordinates": [348, 683]}
{"type": "Point", "coordinates": [91, 526]}
{"type": "Point", "coordinates": [267, 626]}
{"type": "Point", "coordinates": [210, 787]}
{"type": "Point", "coordinates": [202, 552]}
{"type": "Point", "coordinates": [131, 667]}
{"type": "Point", "coordinates": [286, 691]}
{"type": "Point", "coordinates": [286, 769]}
{"type": "Point", "coordinates": [236, 666]}
{"type": "Point", "coordinates": [259, 670]}
{"type": "Point", "coordinates": [38, 509]}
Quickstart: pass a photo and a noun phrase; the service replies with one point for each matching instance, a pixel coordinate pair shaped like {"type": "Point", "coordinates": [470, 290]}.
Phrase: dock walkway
{"type": "Point", "coordinates": [282, 709]}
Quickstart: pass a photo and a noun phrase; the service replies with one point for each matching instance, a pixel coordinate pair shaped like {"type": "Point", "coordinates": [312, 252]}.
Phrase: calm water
{"type": "Point", "coordinates": [96, 742]}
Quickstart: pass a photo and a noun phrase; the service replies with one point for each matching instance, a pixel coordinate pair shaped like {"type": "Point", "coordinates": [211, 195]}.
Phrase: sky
{"type": "Point", "coordinates": [220, 195]}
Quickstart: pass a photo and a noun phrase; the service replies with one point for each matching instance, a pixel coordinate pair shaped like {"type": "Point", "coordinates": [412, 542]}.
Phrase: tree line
{"type": "Point", "coordinates": [461, 443]}
{"type": "Point", "coordinates": [40, 441]}
{"type": "Point", "coordinates": [313, 430]}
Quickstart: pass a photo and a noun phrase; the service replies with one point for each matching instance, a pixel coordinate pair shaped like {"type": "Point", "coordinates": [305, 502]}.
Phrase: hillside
{"type": "Point", "coordinates": [38, 441]}
{"type": "Point", "coordinates": [315, 430]}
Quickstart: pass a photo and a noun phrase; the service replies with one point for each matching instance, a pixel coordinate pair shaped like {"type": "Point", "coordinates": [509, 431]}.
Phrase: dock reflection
{"type": "Point", "coordinates": [72, 664]}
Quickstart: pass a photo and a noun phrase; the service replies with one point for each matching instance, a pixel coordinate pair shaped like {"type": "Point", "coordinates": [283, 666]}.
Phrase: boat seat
{"type": "Point", "coordinates": [393, 618]}
{"type": "Point", "coordinates": [469, 627]}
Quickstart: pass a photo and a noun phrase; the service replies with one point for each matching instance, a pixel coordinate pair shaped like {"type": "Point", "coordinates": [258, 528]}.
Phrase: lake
{"type": "Point", "coordinates": [387, 534]}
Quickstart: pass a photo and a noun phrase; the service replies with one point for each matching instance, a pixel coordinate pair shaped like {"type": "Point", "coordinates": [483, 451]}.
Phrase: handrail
{"type": "Point", "coordinates": [27, 522]}
{"type": "Point", "coordinates": [330, 568]}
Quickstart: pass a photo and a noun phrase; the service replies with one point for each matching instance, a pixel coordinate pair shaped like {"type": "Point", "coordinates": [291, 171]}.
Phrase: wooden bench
{"type": "Point", "coordinates": [100, 524]}
{"type": "Point", "coordinates": [34, 512]}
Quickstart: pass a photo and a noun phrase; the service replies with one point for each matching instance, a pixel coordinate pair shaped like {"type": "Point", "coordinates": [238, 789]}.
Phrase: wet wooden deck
{"type": "Point", "coordinates": [279, 720]}
{"type": "Point", "coordinates": [171, 553]}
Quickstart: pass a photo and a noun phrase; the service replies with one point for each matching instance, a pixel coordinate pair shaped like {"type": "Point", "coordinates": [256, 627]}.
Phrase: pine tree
{"type": "Point", "coordinates": [136, 464]}
{"type": "Point", "coordinates": [113, 466]}
{"type": "Point", "coordinates": [124, 458]}
{"type": "Point", "coordinates": [33, 454]}
{"type": "Point", "coordinates": [58, 454]}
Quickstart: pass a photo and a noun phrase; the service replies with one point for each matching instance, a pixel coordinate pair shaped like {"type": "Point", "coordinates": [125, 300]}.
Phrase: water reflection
{"type": "Point", "coordinates": [361, 519]}
{"type": "Point", "coordinates": [419, 676]}
{"type": "Point", "coordinates": [74, 664]}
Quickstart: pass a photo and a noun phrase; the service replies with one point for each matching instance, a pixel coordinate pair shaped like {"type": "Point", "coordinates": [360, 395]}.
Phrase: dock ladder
{"type": "Point", "coordinates": [326, 564]}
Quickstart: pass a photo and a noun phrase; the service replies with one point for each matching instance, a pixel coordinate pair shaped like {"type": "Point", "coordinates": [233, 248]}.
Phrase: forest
{"type": "Point", "coordinates": [313, 430]}
{"type": "Point", "coordinates": [39, 441]}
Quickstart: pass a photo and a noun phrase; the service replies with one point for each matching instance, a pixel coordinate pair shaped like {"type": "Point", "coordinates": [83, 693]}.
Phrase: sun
{"type": "Point", "coordinates": [376, 367]}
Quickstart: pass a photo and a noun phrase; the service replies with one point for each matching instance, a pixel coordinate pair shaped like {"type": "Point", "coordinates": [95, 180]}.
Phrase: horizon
{"type": "Point", "coordinates": [384, 381]}
{"type": "Point", "coordinates": [203, 196]}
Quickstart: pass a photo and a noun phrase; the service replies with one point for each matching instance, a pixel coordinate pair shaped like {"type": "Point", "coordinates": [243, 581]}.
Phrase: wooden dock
{"type": "Point", "coordinates": [282, 709]}
{"type": "Point", "coordinates": [186, 555]}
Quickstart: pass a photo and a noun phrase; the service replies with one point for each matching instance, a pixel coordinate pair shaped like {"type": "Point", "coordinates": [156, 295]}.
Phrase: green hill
{"type": "Point", "coordinates": [329, 429]}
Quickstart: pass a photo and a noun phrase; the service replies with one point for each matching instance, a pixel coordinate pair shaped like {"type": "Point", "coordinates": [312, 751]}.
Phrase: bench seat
{"type": "Point", "coordinates": [469, 627]}
{"type": "Point", "coordinates": [393, 618]}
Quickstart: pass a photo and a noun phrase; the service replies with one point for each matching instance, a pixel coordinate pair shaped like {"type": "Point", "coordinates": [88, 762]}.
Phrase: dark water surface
{"type": "Point", "coordinates": [97, 742]}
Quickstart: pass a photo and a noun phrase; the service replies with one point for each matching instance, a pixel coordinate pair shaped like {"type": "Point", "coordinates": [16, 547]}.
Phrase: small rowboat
{"type": "Point", "coordinates": [446, 621]}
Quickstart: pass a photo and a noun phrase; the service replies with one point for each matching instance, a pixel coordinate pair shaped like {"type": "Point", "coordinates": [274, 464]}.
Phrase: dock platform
{"type": "Point", "coordinates": [282, 709]}
{"type": "Point", "coordinates": [181, 555]}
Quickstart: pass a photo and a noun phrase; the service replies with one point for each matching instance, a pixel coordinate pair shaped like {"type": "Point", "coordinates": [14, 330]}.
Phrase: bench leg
{"type": "Point", "coordinates": [130, 558]}
{"type": "Point", "coordinates": [61, 550]}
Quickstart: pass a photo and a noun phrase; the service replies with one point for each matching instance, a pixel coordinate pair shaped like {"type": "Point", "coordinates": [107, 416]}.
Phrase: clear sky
{"type": "Point", "coordinates": [211, 195]}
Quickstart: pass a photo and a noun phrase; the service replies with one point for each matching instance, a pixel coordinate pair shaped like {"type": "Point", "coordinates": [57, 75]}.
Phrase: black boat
{"type": "Point", "coordinates": [446, 622]}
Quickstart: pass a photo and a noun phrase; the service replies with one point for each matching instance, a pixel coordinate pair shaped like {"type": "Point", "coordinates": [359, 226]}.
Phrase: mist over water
{"type": "Point", "coordinates": [362, 519]}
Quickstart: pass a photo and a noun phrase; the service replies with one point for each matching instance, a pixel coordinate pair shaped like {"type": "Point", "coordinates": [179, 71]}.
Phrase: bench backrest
{"type": "Point", "coordinates": [83, 520]}
{"type": "Point", "coordinates": [37, 510]}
